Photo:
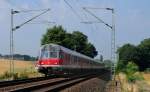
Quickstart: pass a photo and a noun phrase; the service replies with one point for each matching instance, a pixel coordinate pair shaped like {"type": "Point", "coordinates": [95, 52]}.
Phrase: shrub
{"type": "Point", "coordinates": [23, 75]}
{"type": "Point", "coordinates": [134, 77]}
{"type": "Point", "coordinates": [130, 71]}
{"type": "Point", "coordinates": [7, 75]}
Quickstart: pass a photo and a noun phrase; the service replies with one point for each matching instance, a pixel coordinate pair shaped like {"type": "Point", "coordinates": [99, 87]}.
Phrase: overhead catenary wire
{"type": "Point", "coordinates": [73, 10]}
{"type": "Point", "coordinates": [97, 17]}
{"type": "Point", "coordinates": [30, 20]}
{"type": "Point", "coordinates": [24, 11]}
{"type": "Point", "coordinates": [42, 22]}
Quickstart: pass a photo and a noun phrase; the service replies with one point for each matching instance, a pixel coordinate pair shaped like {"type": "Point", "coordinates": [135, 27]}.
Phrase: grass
{"type": "Point", "coordinates": [141, 85]}
{"type": "Point", "coordinates": [23, 69]}
{"type": "Point", "coordinates": [147, 77]}
{"type": "Point", "coordinates": [18, 64]}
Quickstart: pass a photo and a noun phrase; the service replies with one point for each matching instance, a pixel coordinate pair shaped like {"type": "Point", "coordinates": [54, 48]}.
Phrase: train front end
{"type": "Point", "coordinates": [49, 61]}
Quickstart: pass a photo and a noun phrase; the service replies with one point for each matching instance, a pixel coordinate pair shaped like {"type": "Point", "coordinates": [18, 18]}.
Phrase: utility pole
{"type": "Point", "coordinates": [13, 12]}
{"type": "Point", "coordinates": [11, 42]}
{"type": "Point", "coordinates": [112, 27]}
{"type": "Point", "coordinates": [113, 45]}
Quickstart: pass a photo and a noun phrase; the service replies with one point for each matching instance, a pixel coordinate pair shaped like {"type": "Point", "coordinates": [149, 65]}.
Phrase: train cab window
{"type": "Point", "coordinates": [53, 54]}
{"type": "Point", "coordinates": [44, 54]}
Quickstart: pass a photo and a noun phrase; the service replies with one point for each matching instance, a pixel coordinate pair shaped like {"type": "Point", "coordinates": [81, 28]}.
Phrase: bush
{"type": "Point", "coordinates": [130, 71]}
{"type": "Point", "coordinates": [131, 78]}
{"type": "Point", "coordinates": [134, 77]}
{"type": "Point", "coordinates": [23, 75]}
{"type": "Point", "coordinates": [131, 68]}
{"type": "Point", "coordinates": [7, 75]}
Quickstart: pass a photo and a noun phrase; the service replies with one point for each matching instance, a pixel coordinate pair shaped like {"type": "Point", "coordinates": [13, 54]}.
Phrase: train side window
{"type": "Point", "coordinates": [72, 59]}
{"type": "Point", "coordinates": [61, 55]}
{"type": "Point", "coordinates": [69, 59]}
{"type": "Point", "coordinates": [75, 59]}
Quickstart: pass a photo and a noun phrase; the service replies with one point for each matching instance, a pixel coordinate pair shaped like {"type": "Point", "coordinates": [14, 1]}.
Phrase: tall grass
{"type": "Point", "coordinates": [24, 74]}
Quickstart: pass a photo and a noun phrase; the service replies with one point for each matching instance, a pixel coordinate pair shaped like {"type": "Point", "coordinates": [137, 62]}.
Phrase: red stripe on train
{"type": "Point", "coordinates": [50, 61]}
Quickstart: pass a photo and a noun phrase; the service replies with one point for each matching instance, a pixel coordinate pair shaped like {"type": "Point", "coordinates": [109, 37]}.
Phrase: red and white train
{"type": "Point", "coordinates": [56, 59]}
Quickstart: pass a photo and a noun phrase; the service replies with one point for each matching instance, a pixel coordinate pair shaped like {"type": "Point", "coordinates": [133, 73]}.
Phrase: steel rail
{"type": "Point", "coordinates": [62, 86]}
{"type": "Point", "coordinates": [21, 81]}
{"type": "Point", "coordinates": [56, 85]}
{"type": "Point", "coordinates": [8, 85]}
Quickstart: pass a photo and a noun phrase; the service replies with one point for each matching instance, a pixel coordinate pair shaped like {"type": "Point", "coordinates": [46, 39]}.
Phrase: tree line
{"type": "Point", "coordinates": [19, 57]}
{"type": "Point", "coordinates": [137, 54]}
{"type": "Point", "coordinates": [75, 41]}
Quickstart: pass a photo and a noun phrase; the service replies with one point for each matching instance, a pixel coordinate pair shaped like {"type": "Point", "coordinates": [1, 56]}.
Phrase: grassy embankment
{"type": "Point", "coordinates": [23, 69]}
{"type": "Point", "coordinates": [142, 85]}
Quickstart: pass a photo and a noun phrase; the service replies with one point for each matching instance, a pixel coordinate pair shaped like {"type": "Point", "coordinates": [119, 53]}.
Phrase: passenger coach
{"type": "Point", "coordinates": [56, 59]}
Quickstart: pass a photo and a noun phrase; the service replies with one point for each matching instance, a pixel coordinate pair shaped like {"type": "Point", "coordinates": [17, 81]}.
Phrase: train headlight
{"type": "Point", "coordinates": [42, 63]}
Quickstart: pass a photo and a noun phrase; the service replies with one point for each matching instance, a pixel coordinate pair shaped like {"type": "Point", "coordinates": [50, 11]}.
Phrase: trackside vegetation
{"type": "Point", "coordinates": [18, 75]}
{"type": "Point", "coordinates": [140, 55]}
{"type": "Point", "coordinates": [75, 41]}
{"type": "Point", "coordinates": [132, 60]}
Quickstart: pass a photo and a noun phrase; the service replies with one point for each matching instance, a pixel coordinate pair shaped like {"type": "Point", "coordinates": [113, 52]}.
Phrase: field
{"type": "Point", "coordinates": [23, 69]}
{"type": "Point", "coordinates": [18, 64]}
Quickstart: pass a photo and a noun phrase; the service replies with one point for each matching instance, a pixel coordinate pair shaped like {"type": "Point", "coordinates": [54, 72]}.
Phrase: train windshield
{"type": "Point", "coordinates": [44, 54]}
{"type": "Point", "coordinates": [49, 52]}
{"type": "Point", "coordinates": [53, 54]}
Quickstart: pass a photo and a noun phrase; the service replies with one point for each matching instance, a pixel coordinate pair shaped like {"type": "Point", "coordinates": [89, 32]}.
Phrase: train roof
{"type": "Point", "coordinates": [69, 51]}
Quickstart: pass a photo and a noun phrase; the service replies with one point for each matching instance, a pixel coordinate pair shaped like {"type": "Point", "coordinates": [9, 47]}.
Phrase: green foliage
{"type": "Point", "coordinates": [120, 67]}
{"type": "Point", "coordinates": [131, 68]}
{"type": "Point", "coordinates": [8, 75]}
{"type": "Point", "coordinates": [23, 75]}
{"type": "Point", "coordinates": [134, 77]}
{"type": "Point", "coordinates": [140, 55]}
{"type": "Point", "coordinates": [127, 53]}
{"type": "Point", "coordinates": [75, 41]}
{"type": "Point", "coordinates": [131, 72]}
{"type": "Point", "coordinates": [54, 35]}
{"type": "Point", "coordinates": [144, 49]}
{"type": "Point", "coordinates": [131, 79]}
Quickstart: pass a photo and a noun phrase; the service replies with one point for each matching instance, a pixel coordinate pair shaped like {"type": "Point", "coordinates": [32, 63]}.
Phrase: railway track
{"type": "Point", "coordinates": [21, 81]}
{"type": "Point", "coordinates": [43, 85]}
{"type": "Point", "coordinates": [6, 86]}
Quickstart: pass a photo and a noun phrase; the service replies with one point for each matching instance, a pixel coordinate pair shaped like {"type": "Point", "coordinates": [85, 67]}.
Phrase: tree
{"type": "Point", "coordinates": [90, 50]}
{"type": "Point", "coordinates": [54, 35]}
{"type": "Point", "coordinates": [27, 57]}
{"type": "Point", "coordinates": [139, 54]}
{"type": "Point", "coordinates": [144, 53]}
{"type": "Point", "coordinates": [127, 53]}
{"type": "Point", "coordinates": [69, 41]}
{"type": "Point", "coordinates": [75, 41]}
{"type": "Point", "coordinates": [80, 41]}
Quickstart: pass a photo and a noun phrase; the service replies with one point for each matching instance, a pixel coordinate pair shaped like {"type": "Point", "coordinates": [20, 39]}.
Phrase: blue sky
{"type": "Point", "coordinates": [132, 22]}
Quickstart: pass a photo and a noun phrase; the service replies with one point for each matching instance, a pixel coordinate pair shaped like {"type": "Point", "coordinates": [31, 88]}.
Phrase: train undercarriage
{"type": "Point", "coordinates": [49, 71]}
